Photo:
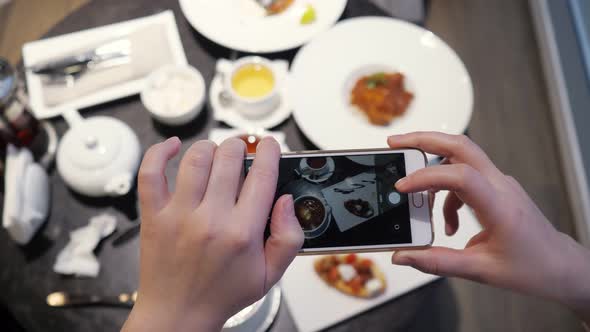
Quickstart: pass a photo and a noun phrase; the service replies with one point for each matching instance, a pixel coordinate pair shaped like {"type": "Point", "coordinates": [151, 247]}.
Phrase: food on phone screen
{"type": "Point", "coordinates": [381, 96]}
{"type": "Point", "coordinates": [351, 275]}
{"type": "Point", "coordinates": [359, 208]}
{"type": "Point", "coordinates": [310, 212]}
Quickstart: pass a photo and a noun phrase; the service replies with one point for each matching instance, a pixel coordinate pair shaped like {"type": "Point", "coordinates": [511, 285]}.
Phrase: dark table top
{"type": "Point", "coordinates": [511, 121]}
{"type": "Point", "coordinates": [26, 276]}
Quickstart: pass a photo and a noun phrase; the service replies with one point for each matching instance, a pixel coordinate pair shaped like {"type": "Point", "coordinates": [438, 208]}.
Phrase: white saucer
{"type": "Point", "coordinates": [235, 119]}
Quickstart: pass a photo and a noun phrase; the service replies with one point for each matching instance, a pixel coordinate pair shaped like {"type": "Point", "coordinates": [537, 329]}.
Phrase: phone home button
{"type": "Point", "coordinates": [417, 200]}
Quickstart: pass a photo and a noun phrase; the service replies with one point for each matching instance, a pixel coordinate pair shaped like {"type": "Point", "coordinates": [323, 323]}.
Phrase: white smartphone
{"type": "Point", "coordinates": [346, 201]}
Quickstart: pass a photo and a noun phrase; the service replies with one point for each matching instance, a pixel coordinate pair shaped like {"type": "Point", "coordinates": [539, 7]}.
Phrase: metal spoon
{"type": "Point", "coordinates": [64, 299]}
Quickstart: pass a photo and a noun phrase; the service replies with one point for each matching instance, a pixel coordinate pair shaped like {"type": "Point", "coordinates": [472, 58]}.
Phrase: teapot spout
{"type": "Point", "coordinates": [119, 185]}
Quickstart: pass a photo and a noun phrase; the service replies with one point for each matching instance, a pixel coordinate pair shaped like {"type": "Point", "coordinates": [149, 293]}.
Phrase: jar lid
{"type": "Point", "coordinates": [8, 82]}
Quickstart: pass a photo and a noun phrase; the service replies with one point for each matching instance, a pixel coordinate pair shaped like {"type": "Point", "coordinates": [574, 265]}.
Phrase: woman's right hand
{"type": "Point", "coordinates": [518, 247]}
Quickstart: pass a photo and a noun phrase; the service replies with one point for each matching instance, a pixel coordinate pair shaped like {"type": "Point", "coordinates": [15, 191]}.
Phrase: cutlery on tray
{"type": "Point", "coordinates": [64, 299]}
{"type": "Point", "coordinates": [110, 54]}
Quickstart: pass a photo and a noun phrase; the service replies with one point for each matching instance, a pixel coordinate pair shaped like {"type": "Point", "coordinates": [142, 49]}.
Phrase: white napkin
{"type": "Point", "coordinates": [26, 200]}
{"type": "Point", "coordinates": [77, 257]}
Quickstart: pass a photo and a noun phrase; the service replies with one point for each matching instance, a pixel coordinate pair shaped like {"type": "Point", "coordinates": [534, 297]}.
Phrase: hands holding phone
{"type": "Point", "coordinates": [203, 255]}
{"type": "Point", "coordinates": [518, 247]}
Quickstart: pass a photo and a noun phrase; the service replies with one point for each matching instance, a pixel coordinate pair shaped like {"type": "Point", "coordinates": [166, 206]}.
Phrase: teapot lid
{"type": "Point", "coordinates": [93, 143]}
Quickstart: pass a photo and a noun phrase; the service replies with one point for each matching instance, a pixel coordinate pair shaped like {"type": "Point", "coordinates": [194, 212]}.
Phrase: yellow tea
{"type": "Point", "coordinates": [253, 81]}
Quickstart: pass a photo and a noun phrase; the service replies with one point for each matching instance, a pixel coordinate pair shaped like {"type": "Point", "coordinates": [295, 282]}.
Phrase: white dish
{"type": "Point", "coordinates": [242, 24]}
{"type": "Point", "coordinates": [324, 71]}
{"type": "Point", "coordinates": [174, 95]}
{"type": "Point", "coordinates": [228, 114]}
{"type": "Point", "coordinates": [218, 135]}
{"type": "Point", "coordinates": [45, 49]}
{"type": "Point", "coordinates": [257, 317]}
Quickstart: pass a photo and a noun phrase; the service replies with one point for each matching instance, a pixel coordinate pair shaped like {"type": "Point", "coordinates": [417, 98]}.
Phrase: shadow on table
{"type": "Point", "coordinates": [185, 131]}
{"type": "Point", "coordinates": [126, 204]}
{"type": "Point", "coordinates": [7, 321]}
{"type": "Point", "coordinates": [432, 307]}
{"type": "Point", "coordinates": [38, 245]}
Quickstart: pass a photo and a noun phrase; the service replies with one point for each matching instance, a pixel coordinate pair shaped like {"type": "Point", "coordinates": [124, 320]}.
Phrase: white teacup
{"type": "Point", "coordinates": [253, 83]}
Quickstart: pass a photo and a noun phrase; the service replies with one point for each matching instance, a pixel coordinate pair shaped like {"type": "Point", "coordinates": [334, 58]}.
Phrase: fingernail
{"type": "Point", "coordinates": [265, 140]}
{"type": "Point", "coordinates": [172, 139]}
{"type": "Point", "coordinates": [399, 184]}
{"type": "Point", "coordinates": [448, 229]}
{"type": "Point", "coordinates": [401, 258]}
{"type": "Point", "coordinates": [288, 208]}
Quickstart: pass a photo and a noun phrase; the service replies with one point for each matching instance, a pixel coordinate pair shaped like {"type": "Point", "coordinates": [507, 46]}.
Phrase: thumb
{"type": "Point", "coordinates": [438, 261]}
{"type": "Point", "coordinates": [286, 238]}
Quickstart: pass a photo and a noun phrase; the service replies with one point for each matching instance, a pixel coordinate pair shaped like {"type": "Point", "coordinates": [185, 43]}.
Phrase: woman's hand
{"type": "Point", "coordinates": [203, 256]}
{"type": "Point", "coordinates": [518, 247]}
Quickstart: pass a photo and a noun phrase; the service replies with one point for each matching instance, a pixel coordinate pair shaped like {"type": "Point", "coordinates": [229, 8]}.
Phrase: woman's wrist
{"type": "Point", "coordinates": [575, 284]}
{"type": "Point", "coordinates": [146, 318]}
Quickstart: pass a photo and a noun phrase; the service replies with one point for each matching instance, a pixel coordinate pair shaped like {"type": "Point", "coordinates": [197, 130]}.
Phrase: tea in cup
{"type": "Point", "coordinates": [314, 166]}
{"type": "Point", "coordinates": [253, 83]}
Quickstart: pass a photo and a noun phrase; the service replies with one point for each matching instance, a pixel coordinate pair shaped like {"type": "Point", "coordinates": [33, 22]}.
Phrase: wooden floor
{"type": "Point", "coordinates": [26, 20]}
{"type": "Point", "coordinates": [511, 122]}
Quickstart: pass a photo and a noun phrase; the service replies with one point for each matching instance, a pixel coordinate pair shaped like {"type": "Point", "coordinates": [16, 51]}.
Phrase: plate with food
{"type": "Point", "coordinates": [261, 26]}
{"type": "Point", "coordinates": [351, 275]}
{"type": "Point", "coordinates": [371, 77]}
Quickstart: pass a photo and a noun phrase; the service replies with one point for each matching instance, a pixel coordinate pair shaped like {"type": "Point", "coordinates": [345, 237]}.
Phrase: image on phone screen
{"type": "Point", "coordinates": [347, 200]}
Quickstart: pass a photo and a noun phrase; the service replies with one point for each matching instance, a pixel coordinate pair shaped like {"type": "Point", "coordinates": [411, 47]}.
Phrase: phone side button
{"type": "Point", "coordinates": [417, 200]}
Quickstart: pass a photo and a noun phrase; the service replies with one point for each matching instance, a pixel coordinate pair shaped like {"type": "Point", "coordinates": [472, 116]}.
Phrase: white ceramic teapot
{"type": "Point", "coordinates": [98, 156]}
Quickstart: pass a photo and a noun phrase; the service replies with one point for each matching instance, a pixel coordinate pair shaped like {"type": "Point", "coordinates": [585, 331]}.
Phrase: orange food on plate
{"type": "Point", "coordinates": [381, 96]}
{"type": "Point", "coordinates": [354, 276]}
{"type": "Point", "coordinates": [278, 6]}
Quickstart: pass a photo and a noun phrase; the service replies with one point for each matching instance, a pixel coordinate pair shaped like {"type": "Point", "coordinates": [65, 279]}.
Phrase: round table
{"type": "Point", "coordinates": [26, 276]}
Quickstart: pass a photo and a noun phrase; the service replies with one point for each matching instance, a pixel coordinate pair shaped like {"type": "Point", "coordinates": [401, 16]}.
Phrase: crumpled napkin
{"type": "Point", "coordinates": [77, 257]}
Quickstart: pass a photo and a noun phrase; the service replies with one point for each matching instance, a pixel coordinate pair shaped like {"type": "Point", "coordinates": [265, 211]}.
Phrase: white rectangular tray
{"type": "Point", "coordinates": [45, 49]}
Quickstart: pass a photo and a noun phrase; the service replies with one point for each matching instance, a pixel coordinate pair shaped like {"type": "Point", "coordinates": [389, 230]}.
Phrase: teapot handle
{"type": "Point", "coordinates": [72, 117]}
{"type": "Point", "coordinates": [224, 67]}
{"type": "Point", "coordinates": [281, 67]}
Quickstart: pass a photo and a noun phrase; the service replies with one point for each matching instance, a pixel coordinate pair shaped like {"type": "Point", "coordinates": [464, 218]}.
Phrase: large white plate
{"type": "Point", "coordinates": [42, 50]}
{"type": "Point", "coordinates": [243, 26]}
{"type": "Point", "coordinates": [324, 71]}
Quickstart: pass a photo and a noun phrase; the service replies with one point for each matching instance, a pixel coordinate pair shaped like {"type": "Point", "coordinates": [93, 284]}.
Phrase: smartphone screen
{"type": "Point", "coordinates": [347, 200]}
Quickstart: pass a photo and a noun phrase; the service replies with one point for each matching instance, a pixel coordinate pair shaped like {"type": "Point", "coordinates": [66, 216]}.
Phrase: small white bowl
{"type": "Point", "coordinates": [174, 95]}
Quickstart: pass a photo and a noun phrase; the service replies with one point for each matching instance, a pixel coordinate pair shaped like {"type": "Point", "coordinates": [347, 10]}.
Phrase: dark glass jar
{"type": "Point", "coordinates": [17, 124]}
